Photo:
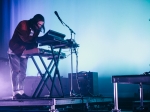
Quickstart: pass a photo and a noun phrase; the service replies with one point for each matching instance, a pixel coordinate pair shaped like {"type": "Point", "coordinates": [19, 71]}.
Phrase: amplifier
{"type": "Point", "coordinates": [87, 81]}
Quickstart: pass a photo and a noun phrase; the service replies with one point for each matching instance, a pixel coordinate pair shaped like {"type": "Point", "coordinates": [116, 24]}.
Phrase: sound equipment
{"type": "Point", "coordinates": [87, 82]}
{"type": "Point", "coordinates": [31, 83]}
{"type": "Point", "coordinates": [43, 53]}
{"type": "Point", "coordinates": [51, 38]}
{"type": "Point", "coordinates": [56, 40]}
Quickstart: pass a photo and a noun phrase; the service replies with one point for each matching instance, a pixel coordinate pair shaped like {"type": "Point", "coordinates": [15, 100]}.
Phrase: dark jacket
{"type": "Point", "coordinates": [22, 39]}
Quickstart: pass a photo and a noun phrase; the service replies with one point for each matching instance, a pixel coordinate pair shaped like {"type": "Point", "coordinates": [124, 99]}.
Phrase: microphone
{"type": "Point", "coordinates": [58, 17]}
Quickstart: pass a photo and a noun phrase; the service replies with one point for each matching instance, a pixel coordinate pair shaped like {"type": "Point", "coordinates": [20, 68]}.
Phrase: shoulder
{"type": "Point", "coordinates": [23, 24]}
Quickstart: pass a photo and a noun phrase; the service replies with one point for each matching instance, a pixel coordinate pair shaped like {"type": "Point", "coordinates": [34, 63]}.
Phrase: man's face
{"type": "Point", "coordinates": [40, 23]}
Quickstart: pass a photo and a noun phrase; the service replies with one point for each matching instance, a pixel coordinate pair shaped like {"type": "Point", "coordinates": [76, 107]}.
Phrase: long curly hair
{"type": "Point", "coordinates": [33, 22]}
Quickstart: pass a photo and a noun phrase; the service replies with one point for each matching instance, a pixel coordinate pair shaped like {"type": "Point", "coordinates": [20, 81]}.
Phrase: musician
{"type": "Point", "coordinates": [24, 38]}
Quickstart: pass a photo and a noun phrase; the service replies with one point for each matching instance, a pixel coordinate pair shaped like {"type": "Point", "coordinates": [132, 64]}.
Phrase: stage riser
{"type": "Point", "coordinates": [31, 83]}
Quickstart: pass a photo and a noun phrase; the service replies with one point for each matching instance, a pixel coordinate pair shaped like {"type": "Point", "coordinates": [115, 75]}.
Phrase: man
{"type": "Point", "coordinates": [24, 38]}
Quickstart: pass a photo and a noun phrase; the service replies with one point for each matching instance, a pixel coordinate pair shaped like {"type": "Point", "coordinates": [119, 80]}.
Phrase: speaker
{"type": "Point", "coordinates": [87, 83]}
{"type": "Point", "coordinates": [31, 83]}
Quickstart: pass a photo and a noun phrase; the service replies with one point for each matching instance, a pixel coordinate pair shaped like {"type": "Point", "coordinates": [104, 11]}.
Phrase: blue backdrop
{"type": "Point", "coordinates": [114, 35]}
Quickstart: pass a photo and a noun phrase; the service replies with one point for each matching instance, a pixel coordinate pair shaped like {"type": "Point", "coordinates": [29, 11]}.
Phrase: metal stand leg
{"type": "Point", "coordinates": [115, 99]}
{"type": "Point", "coordinates": [71, 89]}
{"type": "Point", "coordinates": [141, 95]}
{"type": "Point", "coordinates": [53, 106]}
{"type": "Point", "coordinates": [141, 108]}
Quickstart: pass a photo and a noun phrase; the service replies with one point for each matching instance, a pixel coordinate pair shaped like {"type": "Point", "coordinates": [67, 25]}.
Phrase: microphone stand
{"type": "Point", "coordinates": [72, 92]}
{"type": "Point", "coordinates": [72, 48]}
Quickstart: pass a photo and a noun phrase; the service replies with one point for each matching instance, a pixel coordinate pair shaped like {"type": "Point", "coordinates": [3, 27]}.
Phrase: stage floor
{"type": "Point", "coordinates": [52, 103]}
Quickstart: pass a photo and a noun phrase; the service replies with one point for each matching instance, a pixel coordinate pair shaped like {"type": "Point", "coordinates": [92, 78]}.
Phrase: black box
{"type": "Point", "coordinates": [87, 81]}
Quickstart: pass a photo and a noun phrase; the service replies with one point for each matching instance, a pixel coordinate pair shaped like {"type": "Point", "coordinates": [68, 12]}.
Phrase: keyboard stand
{"type": "Point", "coordinates": [56, 61]}
{"type": "Point", "coordinates": [42, 76]}
{"type": "Point", "coordinates": [47, 75]}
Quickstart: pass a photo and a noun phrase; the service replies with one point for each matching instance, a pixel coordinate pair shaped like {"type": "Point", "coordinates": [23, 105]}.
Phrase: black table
{"type": "Point", "coordinates": [129, 79]}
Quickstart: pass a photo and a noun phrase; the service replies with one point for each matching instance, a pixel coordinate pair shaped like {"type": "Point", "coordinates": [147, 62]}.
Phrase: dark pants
{"type": "Point", "coordinates": [18, 66]}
